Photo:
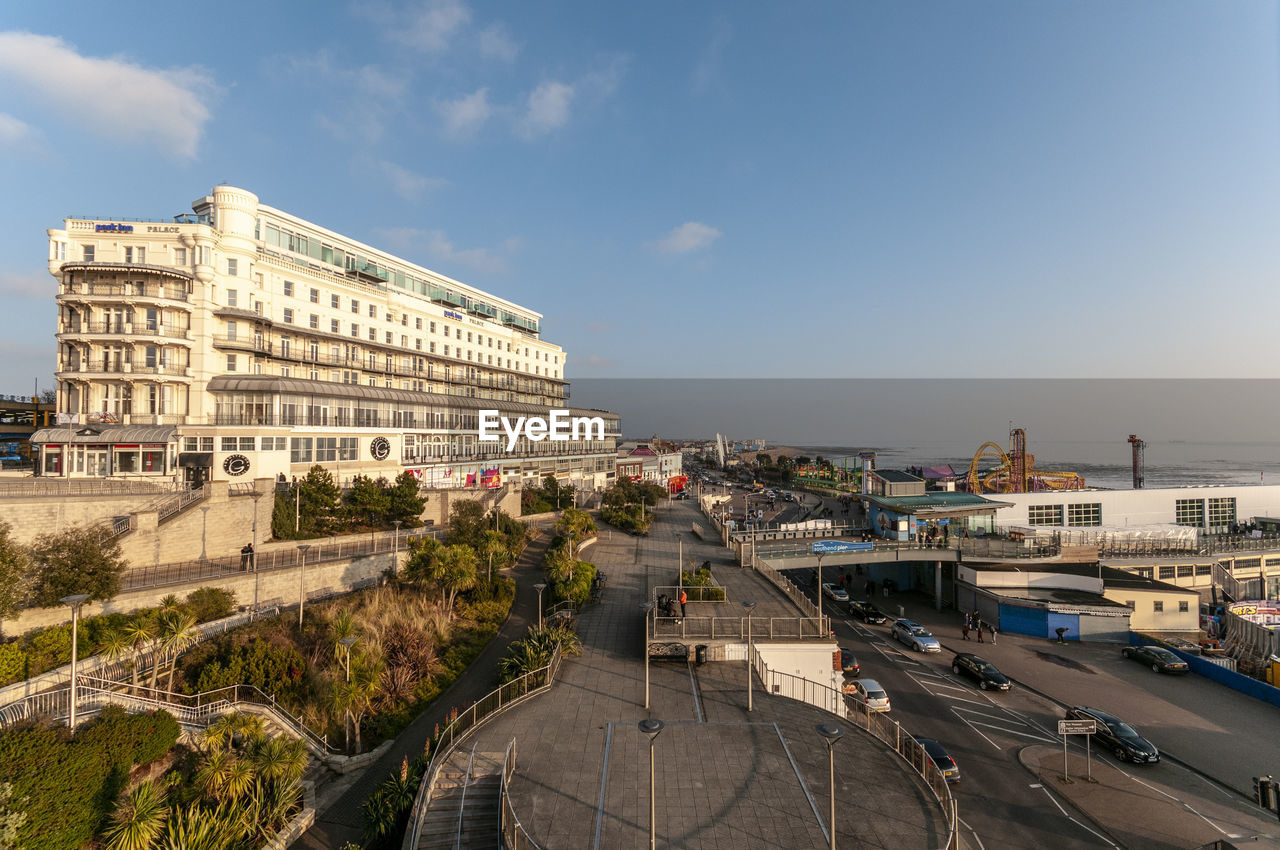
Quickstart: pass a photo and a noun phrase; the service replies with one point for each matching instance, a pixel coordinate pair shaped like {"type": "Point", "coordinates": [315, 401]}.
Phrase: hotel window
{"type": "Point", "coordinates": [404, 319]}
{"type": "Point", "coordinates": [458, 331]}
{"type": "Point", "coordinates": [333, 301]}
{"type": "Point", "coordinates": [388, 337]}
{"type": "Point", "coordinates": [373, 334]}
{"type": "Point", "coordinates": [285, 371]}
{"type": "Point", "coordinates": [315, 296]}
{"type": "Point", "coordinates": [373, 311]}
{"type": "Point", "coordinates": [233, 266]}
{"type": "Point", "coordinates": [1246, 565]}
{"type": "Point", "coordinates": [404, 341]}
{"type": "Point", "coordinates": [285, 346]}
{"type": "Point", "coordinates": [348, 448]}
{"type": "Point", "coordinates": [433, 326]}
{"type": "Point", "coordinates": [179, 256]}
{"type": "Point", "coordinates": [1084, 514]}
{"type": "Point", "coordinates": [288, 287]}
{"type": "Point", "coordinates": [288, 316]}
{"type": "Point", "coordinates": [417, 323]}
{"type": "Point", "coordinates": [431, 348]}
{"type": "Point", "coordinates": [1222, 512]}
{"type": "Point", "coordinates": [314, 322]}
{"type": "Point", "coordinates": [468, 336]}
{"type": "Point", "coordinates": [231, 362]}
{"type": "Point", "coordinates": [1188, 512]}
{"type": "Point", "coordinates": [355, 329]}
{"type": "Point", "coordinates": [88, 253]}
{"type": "Point", "coordinates": [355, 306]}
{"type": "Point", "coordinates": [1157, 605]}
{"type": "Point", "coordinates": [206, 255]}
{"type": "Point", "coordinates": [333, 326]}
{"type": "Point", "coordinates": [1044, 514]}
{"type": "Point", "coordinates": [135, 255]}
{"type": "Point", "coordinates": [446, 351]}
{"type": "Point", "coordinates": [300, 450]}
{"type": "Point", "coordinates": [232, 297]}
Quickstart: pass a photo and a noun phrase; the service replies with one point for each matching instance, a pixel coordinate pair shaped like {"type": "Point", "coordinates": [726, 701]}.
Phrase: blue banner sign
{"type": "Point", "coordinates": [826, 547]}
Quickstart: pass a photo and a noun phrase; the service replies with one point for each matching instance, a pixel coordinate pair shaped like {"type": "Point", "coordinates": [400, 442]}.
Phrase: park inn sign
{"type": "Point", "coordinates": [558, 427]}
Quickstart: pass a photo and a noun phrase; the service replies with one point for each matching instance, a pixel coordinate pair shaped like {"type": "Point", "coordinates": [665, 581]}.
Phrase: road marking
{"type": "Point", "coordinates": [975, 729]}
{"type": "Point", "coordinates": [1147, 785]}
{"type": "Point", "coordinates": [1035, 785]}
{"type": "Point", "coordinates": [697, 707]}
{"type": "Point", "coordinates": [1103, 838]}
{"type": "Point", "coordinates": [812, 804]}
{"type": "Point", "coordinates": [975, 833]}
{"type": "Point", "coordinates": [974, 724]}
{"type": "Point", "coordinates": [604, 783]}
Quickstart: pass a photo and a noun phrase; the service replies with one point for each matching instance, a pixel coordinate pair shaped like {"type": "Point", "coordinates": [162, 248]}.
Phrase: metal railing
{"type": "Point", "coordinates": [126, 329]}
{"type": "Point", "coordinates": [322, 551]}
{"type": "Point", "coordinates": [736, 627]}
{"type": "Point", "coordinates": [36, 487]}
{"type": "Point", "coordinates": [123, 290]}
{"type": "Point", "coordinates": [697, 593]}
{"type": "Point", "coordinates": [789, 589]}
{"type": "Point", "coordinates": [497, 700]}
{"type": "Point", "coordinates": [877, 724]}
{"type": "Point", "coordinates": [514, 835]}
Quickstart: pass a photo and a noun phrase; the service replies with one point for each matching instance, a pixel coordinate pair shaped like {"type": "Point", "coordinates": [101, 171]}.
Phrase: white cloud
{"type": "Point", "coordinates": [27, 285]}
{"type": "Point", "coordinates": [112, 97]}
{"type": "Point", "coordinates": [426, 25]}
{"type": "Point", "coordinates": [406, 183]}
{"type": "Point", "coordinates": [690, 236]}
{"type": "Point", "coordinates": [548, 109]}
{"type": "Point", "coordinates": [463, 116]}
{"type": "Point", "coordinates": [707, 71]}
{"type": "Point", "coordinates": [496, 43]}
{"type": "Point", "coordinates": [14, 132]}
{"type": "Point", "coordinates": [435, 245]}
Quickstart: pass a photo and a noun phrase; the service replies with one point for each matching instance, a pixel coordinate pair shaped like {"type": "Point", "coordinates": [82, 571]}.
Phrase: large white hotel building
{"type": "Point", "coordinates": [241, 342]}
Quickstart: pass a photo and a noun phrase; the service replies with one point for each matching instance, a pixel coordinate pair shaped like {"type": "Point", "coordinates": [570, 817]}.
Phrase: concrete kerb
{"type": "Point", "coordinates": [1024, 756]}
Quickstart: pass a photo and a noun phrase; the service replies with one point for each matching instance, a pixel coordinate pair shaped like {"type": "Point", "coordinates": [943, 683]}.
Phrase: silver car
{"type": "Point", "coordinates": [916, 636]}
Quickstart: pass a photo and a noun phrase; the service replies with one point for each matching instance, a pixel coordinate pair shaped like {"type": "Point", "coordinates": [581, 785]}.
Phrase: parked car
{"type": "Point", "coordinates": [1116, 735]}
{"type": "Point", "coordinates": [915, 636]}
{"type": "Point", "coordinates": [849, 662]}
{"type": "Point", "coordinates": [980, 670]}
{"type": "Point", "coordinates": [939, 756]}
{"type": "Point", "coordinates": [869, 691]}
{"type": "Point", "coordinates": [1157, 658]}
{"type": "Point", "coordinates": [866, 612]}
{"type": "Point", "coordinates": [835, 592]}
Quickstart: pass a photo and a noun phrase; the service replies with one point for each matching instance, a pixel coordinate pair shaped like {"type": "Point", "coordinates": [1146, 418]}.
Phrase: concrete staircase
{"type": "Point", "coordinates": [463, 812]}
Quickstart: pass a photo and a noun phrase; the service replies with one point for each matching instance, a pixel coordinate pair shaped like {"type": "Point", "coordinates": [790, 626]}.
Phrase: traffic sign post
{"type": "Point", "coordinates": [1077, 727]}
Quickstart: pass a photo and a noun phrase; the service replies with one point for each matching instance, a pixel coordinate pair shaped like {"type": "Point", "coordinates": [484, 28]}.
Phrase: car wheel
{"type": "Point", "coordinates": [1155, 667]}
{"type": "Point", "coordinates": [955, 668]}
{"type": "Point", "coordinates": [1120, 754]}
{"type": "Point", "coordinates": [983, 684]}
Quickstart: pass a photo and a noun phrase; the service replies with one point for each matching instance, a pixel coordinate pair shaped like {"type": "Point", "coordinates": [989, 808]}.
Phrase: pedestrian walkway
{"type": "Point", "coordinates": [725, 778]}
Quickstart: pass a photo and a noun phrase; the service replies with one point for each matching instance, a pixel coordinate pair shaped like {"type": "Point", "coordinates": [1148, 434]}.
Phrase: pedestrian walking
{"type": "Point", "coordinates": [979, 625]}
{"type": "Point", "coordinates": [684, 597]}
{"type": "Point", "coordinates": [993, 635]}
{"type": "Point", "coordinates": [964, 628]}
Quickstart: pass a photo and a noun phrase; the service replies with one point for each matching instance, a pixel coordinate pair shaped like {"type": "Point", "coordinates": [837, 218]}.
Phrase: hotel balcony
{"type": "Point", "coordinates": [99, 292]}
{"type": "Point", "coordinates": [124, 329]}
{"type": "Point", "coordinates": [116, 370]}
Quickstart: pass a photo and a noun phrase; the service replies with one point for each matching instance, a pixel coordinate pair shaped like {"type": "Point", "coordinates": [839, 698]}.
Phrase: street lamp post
{"type": "Point", "coordinates": [75, 601]}
{"type": "Point", "coordinates": [346, 643]}
{"type": "Point", "coordinates": [652, 727]}
{"type": "Point", "coordinates": [204, 529]}
{"type": "Point", "coordinates": [254, 557]}
{"type": "Point", "coordinates": [750, 606]}
{"type": "Point", "coordinates": [302, 571]}
{"type": "Point", "coordinates": [540, 586]}
{"type": "Point", "coordinates": [831, 733]}
{"type": "Point", "coordinates": [647, 607]}
{"type": "Point", "coordinates": [395, 558]}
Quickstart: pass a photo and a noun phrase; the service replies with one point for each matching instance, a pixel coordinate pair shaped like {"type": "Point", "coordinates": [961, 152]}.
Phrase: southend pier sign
{"type": "Point", "coordinates": [827, 547]}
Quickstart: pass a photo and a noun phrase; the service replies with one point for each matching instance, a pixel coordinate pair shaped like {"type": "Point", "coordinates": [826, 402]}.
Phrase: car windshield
{"type": "Point", "coordinates": [875, 695]}
{"type": "Point", "coordinates": [919, 631]}
{"type": "Point", "coordinates": [986, 667]}
{"type": "Point", "coordinates": [1122, 730]}
{"type": "Point", "coordinates": [1163, 654]}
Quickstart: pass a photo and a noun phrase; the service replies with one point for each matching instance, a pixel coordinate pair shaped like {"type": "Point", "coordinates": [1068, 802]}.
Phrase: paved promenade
{"type": "Point", "coordinates": [724, 778]}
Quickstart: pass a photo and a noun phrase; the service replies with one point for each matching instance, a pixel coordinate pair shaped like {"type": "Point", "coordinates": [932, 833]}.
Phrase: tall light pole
{"type": "Point", "coordinates": [831, 733]}
{"type": "Point", "coordinates": [653, 728]}
{"type": "Point", "coordinates": [540, 586]}
{"type": "Point", "coordinates": [346, 643]}
{"type": "Point", "coordinates": [302, 571]}
{"type": "Point", "coordinates": [750, 606]}
{"type": "Point", "coordinates": [395, 558]}
{"type": "Point", "coordinates": [75, 601]}
{"type": "Point", "coordinates": [647, 607]}
{"type": "Point", "coordinates": [204, 529]}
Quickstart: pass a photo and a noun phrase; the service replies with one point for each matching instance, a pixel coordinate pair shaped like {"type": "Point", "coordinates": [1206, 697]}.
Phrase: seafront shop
{"type": "Point", "coordinates": [930, 515]}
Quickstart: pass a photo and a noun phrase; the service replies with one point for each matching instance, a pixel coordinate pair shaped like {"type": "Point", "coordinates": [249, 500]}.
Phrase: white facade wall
{"type": "Point", "coordinates": [1148, 507]}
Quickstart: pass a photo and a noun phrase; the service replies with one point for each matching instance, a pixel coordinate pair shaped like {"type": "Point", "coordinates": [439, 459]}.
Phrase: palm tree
{"type": "Point", "coordinates": [575, 525]}
{"type": "Point", "coordinates": [211, 776]}
{"type": "Point", "coordinates": [194, 827]}
{"type": "Point", "coordinates": [177, 632]}
{"type": "Point", "coordinates": [493, 545]}
{"type": "Point", "coordinates": [560, 564]}
{"type": "Point", "coordinates": [138, 819]}
{"type": "Point", "coordinates": [140, 631]}
{"type": "Point", "coordinates": [343, 626]}
{"type": "Point", "coordinates": [278, 760]}
{"type": "Point", "coordinates": [422, 560]}
{"type": "Point", "coordinates": [355, 698]}
{"type": "Point", "coordinates": [169, 603]}
{"type": "Point", "coordinates": [240, 778]}
{"type": "Point", "coordinates": [116, 644]}
{"type": "Point", "coordinates": [459, 572]}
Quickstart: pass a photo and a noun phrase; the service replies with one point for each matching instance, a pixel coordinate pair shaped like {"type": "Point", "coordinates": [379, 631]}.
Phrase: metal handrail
{"type": "Point", "coordinates": [462, 725]}
{"type": "Point", "coordinates": [878, 725]}
{"type": "Point", "coordinates": [725, 628]}
{"type": "Point", "coordinates": [514, 835]}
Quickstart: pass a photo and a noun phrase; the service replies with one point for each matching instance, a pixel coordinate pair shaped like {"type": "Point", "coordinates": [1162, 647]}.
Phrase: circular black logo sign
{"type": "Point", "coordinates": [380, 448]}
{"type": "Point", "coordinates": [236, 465]}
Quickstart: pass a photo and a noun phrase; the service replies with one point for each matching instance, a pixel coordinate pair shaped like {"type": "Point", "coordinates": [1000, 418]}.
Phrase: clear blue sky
{"type": "Point", "coordinates": [714, 189]}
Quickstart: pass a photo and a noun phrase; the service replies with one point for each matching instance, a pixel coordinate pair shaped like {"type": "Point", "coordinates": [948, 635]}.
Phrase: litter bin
{"type": "Point", "coordinates": [700, 653]}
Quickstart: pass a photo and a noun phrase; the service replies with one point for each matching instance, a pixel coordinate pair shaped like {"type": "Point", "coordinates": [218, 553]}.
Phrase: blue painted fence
{"type": "Point", "coordinates": [1237, 681]}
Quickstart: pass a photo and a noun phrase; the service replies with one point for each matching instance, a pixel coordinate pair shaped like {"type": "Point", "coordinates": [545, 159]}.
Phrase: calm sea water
{"type": "Point", "coordinates": [1168, 464]}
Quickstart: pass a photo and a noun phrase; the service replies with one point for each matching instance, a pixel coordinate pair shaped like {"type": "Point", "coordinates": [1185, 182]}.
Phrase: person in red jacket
{"type": "Point", "coordinates": [684, 597]}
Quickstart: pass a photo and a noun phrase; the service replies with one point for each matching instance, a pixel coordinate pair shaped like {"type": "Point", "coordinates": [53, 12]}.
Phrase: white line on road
{"type": "Point", "coordinates": [1205, 819]}
{"type": "Point", "coordinates": [975, 833]}
{"type": "Point", "coordinates": [975, 729]}
{"type": "Point", "coordinates": [1108, 841]}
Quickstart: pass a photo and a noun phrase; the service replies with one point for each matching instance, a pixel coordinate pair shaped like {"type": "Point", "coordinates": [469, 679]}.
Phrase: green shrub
{"type": "Point", "coordinates": [279, 670]}
{"type": "Point", "coordinates": [13, 663]}
{"type": "Point", "coordinates": [210, 603]}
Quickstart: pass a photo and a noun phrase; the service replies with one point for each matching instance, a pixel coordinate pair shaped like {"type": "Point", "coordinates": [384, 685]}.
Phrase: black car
{"type": "Point", "coordinates": [866, 612]}
{"type": "Point", "coordinates": [1116, 735]}
{"type": "Point", "coordinates": [981, 671]}
{"type": "Point", "coordinates": [1157, 658]}
{"type": "Point", "coordinates": [849, 663]}
{"type": "Point", "coordinates": [939, 756]}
